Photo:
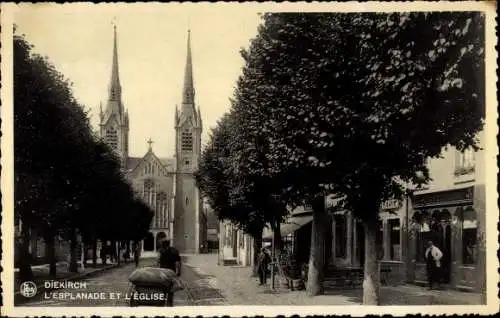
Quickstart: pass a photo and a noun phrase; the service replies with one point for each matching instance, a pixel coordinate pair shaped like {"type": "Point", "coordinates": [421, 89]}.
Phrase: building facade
{"type": "Point", "coordinates": [449, 211]}
{"type": "Point", "coordinates": [167, 185]}
{"type": "Point", "coordinates": [235, 246]}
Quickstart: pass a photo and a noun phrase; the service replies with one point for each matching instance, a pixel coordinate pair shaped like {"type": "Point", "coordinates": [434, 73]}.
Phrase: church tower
{"type": "Point", "coordinates": [188, 129]}
{"type": "Point", "coordinates": [114, 123]}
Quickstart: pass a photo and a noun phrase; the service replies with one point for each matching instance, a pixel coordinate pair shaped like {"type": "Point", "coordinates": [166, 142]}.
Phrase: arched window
{"type": "Point", "coordinates": [149, 187]}
{"type": "Point", "coordinates": [162, 209]}
{"type": "Point", "coordinates": [468, 217]}
{"type": "Point", "coordinates": [187, 140]}
{"type": "Point", "coordinates": [112, 138]}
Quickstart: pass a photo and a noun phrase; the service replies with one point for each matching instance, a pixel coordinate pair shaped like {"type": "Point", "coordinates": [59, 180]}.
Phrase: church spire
{"type": "Point", "coordinates": [188, 92]}
{"type": "Point", "coordinates": [115, 89]}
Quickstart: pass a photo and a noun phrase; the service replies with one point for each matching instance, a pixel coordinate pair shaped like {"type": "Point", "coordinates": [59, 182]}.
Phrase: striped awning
{"type": "Point", "coordinates": [291, 225]}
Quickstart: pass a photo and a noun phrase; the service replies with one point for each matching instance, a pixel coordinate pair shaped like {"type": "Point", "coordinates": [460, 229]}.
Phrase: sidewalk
{"type": "Point", "coordinates": [239, 288]}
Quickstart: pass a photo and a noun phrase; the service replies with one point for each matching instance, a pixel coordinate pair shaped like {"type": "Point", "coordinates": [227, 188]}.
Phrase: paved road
{"type": "Point", "coordinates": [106, 286]}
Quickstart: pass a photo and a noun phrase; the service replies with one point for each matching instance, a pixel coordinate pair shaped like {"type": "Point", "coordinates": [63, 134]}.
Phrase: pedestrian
{"type": "Point", "coordinates": [137, 251]}
{"type": "Point", "coordinates": [126, 255]}
{"type": "Point", "coordinates": [433, 257]}
{"type": "Point", "coordinates": [169, 258]}
{"type": "Point", "coordinates": [263, 261]}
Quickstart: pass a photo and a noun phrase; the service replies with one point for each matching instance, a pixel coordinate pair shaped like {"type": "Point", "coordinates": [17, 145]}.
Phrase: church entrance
{"type": "Point", "coordinates": [160, 237]}
{"type": "Point", "coordinates": [149, 242]}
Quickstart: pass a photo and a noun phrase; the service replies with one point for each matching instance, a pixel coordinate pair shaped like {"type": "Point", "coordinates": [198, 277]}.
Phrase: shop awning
{"type": "Point", "coordinates": [290, 226]}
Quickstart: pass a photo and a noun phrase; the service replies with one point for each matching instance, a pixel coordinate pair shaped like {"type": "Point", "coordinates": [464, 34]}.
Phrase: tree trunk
{"type": "Point", "coordinates": [371, 281]}
{"type": "Point", "coordinates": [94, 252]}
{"type": "Point", "coordinates": [25, 272]}
{"type": "Point", "coordinates": [51, 255]}
{"type": "Point", "coordinates": [73, 265]}
{"type": "Point", "coordinates": [257, 246]}
{"type": "Point", "coordinates": [317, 257]}
{"type": "Point", "coordinates": [278, 246]}
{"type": "Point", "coordinates": [116, 251]}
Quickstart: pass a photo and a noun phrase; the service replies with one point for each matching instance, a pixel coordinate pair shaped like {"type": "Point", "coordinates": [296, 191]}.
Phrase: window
{"type": "Point", "coordinates": [469, 236]}
{"type": "Point", "coordinates": [112, 138]}
{"type": "Point", "coordinates": [148, 191]}
{"type": "Point", "coordinates": [186, 162]}
{"type": "Point", "coordinates": [340, 236]}
{"type": "Point", "coordinates": [464, 162]}
{"type": "Point", "coordinates": [288, 242]}
{"type": "Point", "coordinates": [187, 201]}
{"type": "Point", "coordinates": [242, 240]}
{"type": "Point", "coordinates": [394, 239]}
{"type": "Point", "coordinates": [187, 140]}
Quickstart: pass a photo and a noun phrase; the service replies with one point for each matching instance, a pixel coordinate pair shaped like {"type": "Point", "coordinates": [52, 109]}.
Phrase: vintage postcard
{"type": "Point", "coordinates": [244, 159]}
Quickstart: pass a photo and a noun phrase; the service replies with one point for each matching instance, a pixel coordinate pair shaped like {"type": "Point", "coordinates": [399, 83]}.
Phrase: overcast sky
{"type": "Point", "coordinates": [152, 53]}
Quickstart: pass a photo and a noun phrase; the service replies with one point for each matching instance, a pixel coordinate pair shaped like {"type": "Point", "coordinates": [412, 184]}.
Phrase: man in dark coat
{"type": "Point", "coordinates": [169, 258]}
{"type": "Point", "coordinates": [137, 251]}
{"type": "Point", "coordinates": [263, 261]}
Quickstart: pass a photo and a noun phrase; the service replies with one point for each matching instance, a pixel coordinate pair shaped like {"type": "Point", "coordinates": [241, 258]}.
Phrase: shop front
{"type": "Point", "coordinates": [454, 221]}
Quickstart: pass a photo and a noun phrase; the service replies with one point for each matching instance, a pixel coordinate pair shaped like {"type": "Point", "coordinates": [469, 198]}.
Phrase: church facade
{"type": "Point", "coordinates": [167, 185]}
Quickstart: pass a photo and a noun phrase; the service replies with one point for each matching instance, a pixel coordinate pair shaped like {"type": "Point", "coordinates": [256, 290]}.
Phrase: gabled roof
{"type": "Point", "coordinates": [134, 162]}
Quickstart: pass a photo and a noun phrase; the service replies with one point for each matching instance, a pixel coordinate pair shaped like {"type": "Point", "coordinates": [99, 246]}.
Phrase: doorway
{"type": "Point", "coordinates": [235, 243]}
{"type": "Point", "coordinates": [149, 242]}
{"type": "Point", "coordinates": [442, 238]}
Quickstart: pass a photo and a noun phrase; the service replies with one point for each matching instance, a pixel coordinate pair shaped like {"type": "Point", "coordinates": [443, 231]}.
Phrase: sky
{"type": "Point", "coordinates": [152, 44]}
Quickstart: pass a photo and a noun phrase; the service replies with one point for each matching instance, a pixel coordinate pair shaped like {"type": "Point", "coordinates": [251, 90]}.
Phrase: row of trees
{"type": "Point", "coordinates": [68, 183]}
{"type": "Point", "coordinates": [352, 104]}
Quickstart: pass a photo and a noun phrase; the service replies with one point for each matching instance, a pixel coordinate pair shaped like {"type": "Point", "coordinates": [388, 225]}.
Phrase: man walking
{"type": "Point", "coordinates": [433, 257]}
{"type": "Point", "coordinates": [263, 261]}
{"type": "Point", "coordinates": [137, 252]}
{"type": "Point", "coordinates": [170, 259]}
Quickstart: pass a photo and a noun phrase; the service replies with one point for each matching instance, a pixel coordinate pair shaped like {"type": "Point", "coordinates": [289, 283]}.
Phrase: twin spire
{"type": "Point", "coordinates": [115, 89]}
{"type": "Point", "coordinates": [188, 91]}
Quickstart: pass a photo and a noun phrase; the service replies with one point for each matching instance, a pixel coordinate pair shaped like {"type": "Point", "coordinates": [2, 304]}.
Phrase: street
{"type": "Point", "coordinates": [207, 283]}
{"type": "Point", "coordinates": [198, 290]}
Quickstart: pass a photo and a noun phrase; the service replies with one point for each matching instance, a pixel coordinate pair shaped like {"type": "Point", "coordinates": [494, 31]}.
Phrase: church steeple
{"type": "Point", "coordinates": [188, 92]}
{"type": "Point", "coordinates": [115, 89]}
{"type": "Point", "coordinates": [114, 124]}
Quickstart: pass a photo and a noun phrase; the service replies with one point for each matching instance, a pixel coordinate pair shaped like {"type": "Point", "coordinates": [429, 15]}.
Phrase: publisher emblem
{"type": "Point", "coordinates": [28, 289]}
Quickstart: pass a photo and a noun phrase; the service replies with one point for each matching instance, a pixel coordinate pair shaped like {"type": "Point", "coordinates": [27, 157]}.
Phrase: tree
{"type": "Point", "coordinates": [335, 84]}
{"type": "Point", "coordinates": [224, 179]}
{"type": "Point", "coordinates": [66, 180]}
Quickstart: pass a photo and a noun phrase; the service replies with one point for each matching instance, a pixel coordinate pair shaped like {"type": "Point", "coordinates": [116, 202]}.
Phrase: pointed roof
{"type": "Point", "coordinates": [188, 92]}
{"type": "Point", "coordinates": [114, 85]}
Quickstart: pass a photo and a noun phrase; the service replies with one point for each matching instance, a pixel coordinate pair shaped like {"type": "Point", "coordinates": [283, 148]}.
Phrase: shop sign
{"type": "Point", "coordinates": [391, 204]}
{"type": "Point", "coordinates": [334, 202]}
{"type": "Point", "coordinates": [443, 198]}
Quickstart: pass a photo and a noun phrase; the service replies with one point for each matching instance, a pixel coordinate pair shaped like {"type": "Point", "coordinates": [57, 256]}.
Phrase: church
{"type": "Point", "coordinates": [167, 185]}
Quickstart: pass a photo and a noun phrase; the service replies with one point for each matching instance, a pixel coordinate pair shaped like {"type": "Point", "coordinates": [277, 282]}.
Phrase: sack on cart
{"type": "Point", "coordinates": [155, 276]}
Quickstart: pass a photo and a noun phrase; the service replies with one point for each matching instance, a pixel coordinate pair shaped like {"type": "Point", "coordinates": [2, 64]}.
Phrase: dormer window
{"type": "Point", "coordinates": [187, 140]}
